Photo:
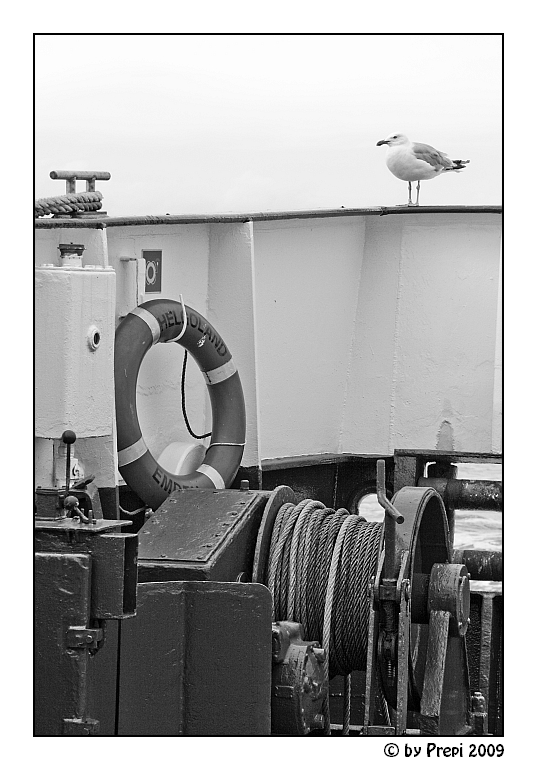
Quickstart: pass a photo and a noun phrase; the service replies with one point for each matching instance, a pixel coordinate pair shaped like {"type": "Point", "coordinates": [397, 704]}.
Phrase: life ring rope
{"type": "Point", "coordinates": [168, 321]}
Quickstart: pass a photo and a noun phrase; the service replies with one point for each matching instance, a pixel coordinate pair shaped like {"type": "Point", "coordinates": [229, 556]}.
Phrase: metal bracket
{"type": "Point", "coordinates": [299, 683]}
{"type": "Point", "coordinates": [81, 726]}
{"type": "Point", "coordinates": [79, 637]}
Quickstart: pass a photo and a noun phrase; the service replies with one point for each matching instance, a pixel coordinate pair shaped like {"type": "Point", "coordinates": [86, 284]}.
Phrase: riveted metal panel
{"type": "Point", "coordinates": [199, 534]}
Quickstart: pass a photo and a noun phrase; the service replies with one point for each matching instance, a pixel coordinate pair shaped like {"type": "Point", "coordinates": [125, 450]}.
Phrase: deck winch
{"type": "Point", "coordinates": [382, 598]}
{"type": "Point", "coordinates": [288, 594]}
{"type": "Point", "coordinates": [346, 597]}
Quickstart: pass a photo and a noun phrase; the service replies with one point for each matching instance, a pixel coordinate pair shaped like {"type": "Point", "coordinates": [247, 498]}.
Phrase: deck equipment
{"type": "Point", "coordinates": [163, 320]}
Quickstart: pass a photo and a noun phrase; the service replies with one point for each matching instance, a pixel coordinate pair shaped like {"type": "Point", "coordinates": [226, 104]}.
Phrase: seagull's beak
{"type": "Point", "coordinates": [382, 141]}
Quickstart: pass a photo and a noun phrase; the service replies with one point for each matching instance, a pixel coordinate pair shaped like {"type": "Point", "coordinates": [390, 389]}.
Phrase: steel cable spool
{"type": "Point", "coordinates": [318, 568]}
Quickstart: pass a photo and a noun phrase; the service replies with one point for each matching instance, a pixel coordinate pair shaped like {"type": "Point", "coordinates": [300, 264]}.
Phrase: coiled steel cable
{"type": "Point", "coordinates": [320, 565]}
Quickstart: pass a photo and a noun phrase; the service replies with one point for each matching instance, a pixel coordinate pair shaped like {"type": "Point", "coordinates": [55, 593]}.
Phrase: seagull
{"type": "Point", "coordinates": [414, 161]}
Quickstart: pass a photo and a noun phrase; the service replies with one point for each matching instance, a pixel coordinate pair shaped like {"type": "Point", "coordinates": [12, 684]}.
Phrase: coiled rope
{"type": "Point", "coordinates": [320, 565]}
{"type": "Point", "coordinates": [69, 203]}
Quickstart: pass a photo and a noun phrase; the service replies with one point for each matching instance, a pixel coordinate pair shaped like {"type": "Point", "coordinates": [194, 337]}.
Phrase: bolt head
{"type": "Point", "coordinates": [320, 654]}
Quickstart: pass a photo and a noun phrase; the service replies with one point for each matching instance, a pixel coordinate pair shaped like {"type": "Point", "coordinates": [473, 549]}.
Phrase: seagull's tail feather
{"type": "Point", "coordinates": [458, 165]}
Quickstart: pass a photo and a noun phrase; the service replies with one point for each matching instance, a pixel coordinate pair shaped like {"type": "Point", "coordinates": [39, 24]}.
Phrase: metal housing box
{"type": "Point", "coordinates": [74, 351]}
{"type": "Point", "coordinates": [199, 534]}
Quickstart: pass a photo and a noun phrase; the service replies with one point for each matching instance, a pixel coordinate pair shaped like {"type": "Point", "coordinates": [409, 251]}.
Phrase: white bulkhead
{"type": "Point", "coordinates": [74, 350]}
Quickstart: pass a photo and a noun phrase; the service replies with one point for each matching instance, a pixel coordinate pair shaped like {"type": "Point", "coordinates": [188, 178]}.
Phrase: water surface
{"type": "Point", "coordinates": [480, 530]}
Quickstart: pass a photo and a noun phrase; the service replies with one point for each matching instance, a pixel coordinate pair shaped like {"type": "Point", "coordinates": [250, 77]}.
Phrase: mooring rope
{"type": "Point", "coordinates": [320, 565]}
{"type": "Point", "coordinates": [69, 203]}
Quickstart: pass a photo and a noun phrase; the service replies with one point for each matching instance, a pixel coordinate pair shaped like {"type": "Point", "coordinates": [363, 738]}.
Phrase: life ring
{"type": "Point", "coordinates": [161, 320]}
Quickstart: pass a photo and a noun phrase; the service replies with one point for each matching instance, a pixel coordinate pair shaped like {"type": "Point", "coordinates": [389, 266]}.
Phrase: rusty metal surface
{"type": "Point", "coordinates": [467, 494]}
{"type": "Point", "coordinates": [445, 694]}
{"type": "Point", "coordinates": [197, 660]}
{"type": "Point", "coordinates": [407, 470]}
{"type": "Point", "coordinates": [336, 480]}
{"type": "Point", "coordinates": [69, 525]}
{"type": "Point", "coordinates": [482, 565]}
{"type": "Point", "coordinates": [450, 456]}
{"type": "Point", "coordinates": [114, 576]}
{"type": "Point", "coordinates": [62, 601]}
{"type": "Point", "coordinates": [449, 591]}
{"type": "Point", "coordinates": [113, 565]}
{"type": "Point", "coordinates": [433, 684]}
{"type": "Point", "coordinates": [299, 685]}
{"type": "Point", "coordinates": [424, 532]}
{"type": "Point", "coordinates": [403, 662]}
{"type": "Point", "coordinates": [485, 645]}
{"type": "Point", "coordinates": [432, 667]}
{"type": "Point", "coordinates": [191, 525]}
{"type": "Point", "coordinates": [315, 482]}
{"type": "Point", "coordinates": [418, 543]}
{"type": "Point", "coordinates": [102, 679]}
{"type": "Point", "coordinates": [201, 534]}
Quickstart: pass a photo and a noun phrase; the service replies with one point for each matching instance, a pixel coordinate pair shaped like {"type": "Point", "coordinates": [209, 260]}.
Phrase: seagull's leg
{"type": "Point", "coordinates": [418, 193]}
{"type": "Point", "coordinates": [410, 193]}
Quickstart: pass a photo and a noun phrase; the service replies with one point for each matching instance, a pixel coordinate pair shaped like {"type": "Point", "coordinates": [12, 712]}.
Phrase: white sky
{"type": "Point", "coordinates": [215, 123]}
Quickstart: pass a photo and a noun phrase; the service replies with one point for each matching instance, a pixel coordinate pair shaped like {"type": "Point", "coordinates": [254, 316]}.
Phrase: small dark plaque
{"type": "Point", "coordinates": [153, 271]}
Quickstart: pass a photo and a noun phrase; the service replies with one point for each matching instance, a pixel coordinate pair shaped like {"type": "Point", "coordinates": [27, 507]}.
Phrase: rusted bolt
{"type": "Point", "coordinates": [320, 654]}
{"type": "Point", "coordinates": [276, 643]}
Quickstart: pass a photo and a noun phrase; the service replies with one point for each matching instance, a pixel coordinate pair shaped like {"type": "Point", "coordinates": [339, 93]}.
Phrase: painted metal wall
{"type": "Point", "coordinates": [354, 334]}
{"type": "Point", "coordinates": [307, 278]}
{"type": "Point", "coordinates": [427, 346]}
{"type": "Point", "coordinates": [185, 270]}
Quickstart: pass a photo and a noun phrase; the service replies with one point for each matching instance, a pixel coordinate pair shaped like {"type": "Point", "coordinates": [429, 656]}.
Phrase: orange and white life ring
{"type": "Point", "coordinates": [163, 320]}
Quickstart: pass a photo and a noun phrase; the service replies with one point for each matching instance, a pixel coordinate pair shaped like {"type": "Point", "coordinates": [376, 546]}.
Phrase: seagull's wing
{"type": "Point", "coordinates": [431, 156]}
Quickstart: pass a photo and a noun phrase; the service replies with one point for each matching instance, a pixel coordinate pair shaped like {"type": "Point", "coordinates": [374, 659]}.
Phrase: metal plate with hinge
{"type": "Point", "coordinates": [62, 599]}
